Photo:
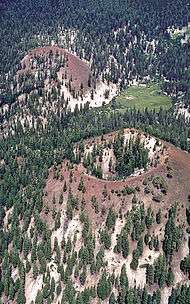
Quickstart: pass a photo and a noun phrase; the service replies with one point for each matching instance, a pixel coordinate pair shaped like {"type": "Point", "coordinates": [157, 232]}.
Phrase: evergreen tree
{"type": "Point", "coordinates": [111, 218]}
{"type": "Point", "coordinates": [104, 287]}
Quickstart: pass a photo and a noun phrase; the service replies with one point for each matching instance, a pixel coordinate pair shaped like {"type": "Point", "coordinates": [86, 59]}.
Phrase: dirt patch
{"type": "Point", "coordinates": [76, 69]}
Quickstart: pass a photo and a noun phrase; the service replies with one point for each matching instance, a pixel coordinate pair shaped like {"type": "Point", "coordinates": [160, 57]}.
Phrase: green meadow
{"type": "Point", "coordinates": [141, 97]}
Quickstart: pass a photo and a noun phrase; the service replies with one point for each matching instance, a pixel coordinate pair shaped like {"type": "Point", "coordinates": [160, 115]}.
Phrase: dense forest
{"type": "Point", "coordinates": [124, 42]}
{"type": "Point", "coordinates": [123, 155]}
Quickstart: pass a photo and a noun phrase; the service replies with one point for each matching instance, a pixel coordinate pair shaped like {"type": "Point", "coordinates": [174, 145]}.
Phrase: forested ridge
{"type": "Point", "coordinates": [67, 234]}
{"type": "Point", "coordinates": [26, 158]}
{"type": "Point", "coordinates": [132, 38]}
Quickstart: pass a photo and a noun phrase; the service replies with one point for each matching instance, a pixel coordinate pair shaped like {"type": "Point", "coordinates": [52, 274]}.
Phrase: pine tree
{"type": "Point", "coordinates": [140, 246]}
{"type": "Point", "coordinates": [170, 277]}
{"type": "Point", "coordinates": [135, 260]}
{"type": "Point", "coordinates": [124, 284]}
{"type": "Point", "coordinates": [149, 218]}
{"type": "Point", "coordinates": [149, 274]}
{"type": "Point", "coordinates": [52, 286]}
{"type": "Point", "coordinates": [11, 290]}
{"type": "Point", "coordinates": [39, 298]}
{"type": "Point", "coordinates": [35, 271]}
{"type": "Point", "coordinates": [124, 244]}
{"type": "Point", "coordinates": [111, 219]}
{"type": "Point", "coordinates": [46, 290]}
{"type": "Point", "coordinates": [104, 287]}
{"type": "Point", "coordinates": [105, 239]}
{"type": "Point", "coordinates": [21, 296]}
{"type": "Point", "coordinates": [69, 292]}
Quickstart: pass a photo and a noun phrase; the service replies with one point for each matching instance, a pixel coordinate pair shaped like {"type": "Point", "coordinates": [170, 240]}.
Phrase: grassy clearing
{"type": "Point", "coordinates": [141, 97]}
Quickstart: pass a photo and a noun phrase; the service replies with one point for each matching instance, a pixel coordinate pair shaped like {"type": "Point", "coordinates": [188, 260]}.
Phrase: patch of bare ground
{"type": "Point", "coordinates": [75, 69]}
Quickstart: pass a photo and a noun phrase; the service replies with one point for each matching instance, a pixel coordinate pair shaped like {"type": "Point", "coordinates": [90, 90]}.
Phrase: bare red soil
{"type": "Point", "coordinates": [76, 68]}
{"type": "Point", "coordinates": [178, 187]}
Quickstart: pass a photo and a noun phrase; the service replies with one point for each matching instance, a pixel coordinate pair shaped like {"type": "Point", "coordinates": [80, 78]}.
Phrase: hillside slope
{"type": "Point", "coordinates": [51, 81]}
{"type": "Point", "coordinates": [98, 232]}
